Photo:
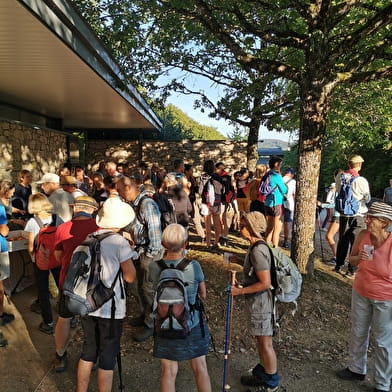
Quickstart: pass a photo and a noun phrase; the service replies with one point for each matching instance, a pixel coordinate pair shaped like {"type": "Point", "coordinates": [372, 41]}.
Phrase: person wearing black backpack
{"type": "Point", "coordinates": [351, 224]}
{"type": "Point", "coordinates": [195, 346]}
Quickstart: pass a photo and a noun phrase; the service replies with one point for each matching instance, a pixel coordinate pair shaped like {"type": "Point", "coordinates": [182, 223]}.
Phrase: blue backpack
{"type": "Point", "coordinates": [345, 202]}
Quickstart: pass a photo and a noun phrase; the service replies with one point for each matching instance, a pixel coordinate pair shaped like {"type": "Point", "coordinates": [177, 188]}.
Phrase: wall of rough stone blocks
{"type": "Point", "coordinates": [163, 153]}
{"type": "Point", "coordinates": [24, 147]}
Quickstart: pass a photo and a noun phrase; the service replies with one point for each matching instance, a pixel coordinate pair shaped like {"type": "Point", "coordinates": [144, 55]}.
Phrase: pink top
{"type": "Point", "coordinates": [374, 277]}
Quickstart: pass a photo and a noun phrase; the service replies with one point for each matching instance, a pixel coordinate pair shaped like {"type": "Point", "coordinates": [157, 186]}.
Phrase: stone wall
{"type": "Point", "coordinates": [163, 153]}
{"type": "Point", "coordinates": [24, 147]}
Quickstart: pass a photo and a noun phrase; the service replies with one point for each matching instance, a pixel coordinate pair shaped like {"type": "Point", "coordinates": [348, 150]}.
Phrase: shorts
{"type": "Point", "coordinates": [101, 341]}
{"type": "Point", "coordinates": [261, 309]}
{"type": "Point", "coordinates": [214, 210]}
{"type": "Point", "coordinates": [334, 219]}
{"type": "Point", "coordinates": [288, 215]}
{"type": "Point", "coordinates": [63, 310]}
{"type": "Point", "coordinates": [273, 211]}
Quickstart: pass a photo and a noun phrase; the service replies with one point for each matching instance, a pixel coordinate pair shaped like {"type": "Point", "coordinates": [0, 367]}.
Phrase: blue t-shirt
{"type": "Point", "coordinates": [275, 198]}
{"type": "Point", "coordinates": [388, 195]}
{"type": "Point", "coordinates": [3, 221]}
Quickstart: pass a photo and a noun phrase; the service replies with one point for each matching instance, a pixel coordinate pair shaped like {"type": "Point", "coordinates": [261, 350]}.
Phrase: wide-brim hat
{"type": "Point", "coordinates": [356, 159]}
{"type": "Point", "coordinates": [49, 177]}
{"type": "Point", "coordinates": [86, 201]}
{"type": "Point", "coordinates": [67, 180]}
{"type": "Point", "coordinates": [256, 221]}
{"type": "Point", "coordinates": [379, 209]}
{"type": "Point", "coordinates": [115, 214]}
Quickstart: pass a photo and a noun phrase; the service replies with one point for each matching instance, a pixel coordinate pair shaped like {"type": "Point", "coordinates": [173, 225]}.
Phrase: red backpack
{"type": "Point", "coordinates": [44, 245]}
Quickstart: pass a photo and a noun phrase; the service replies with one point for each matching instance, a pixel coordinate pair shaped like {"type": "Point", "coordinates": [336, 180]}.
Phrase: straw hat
{"type": "Point", "coordinates": [67, 180]}
{"type": "Point", "coordinates": [115, 214]}
{"type": "Point", "coordinates": [381, 210]}
{"type": "Point", "coordinates": [86, 201]}
{"type": "Point", "coordinates": [356, 159]}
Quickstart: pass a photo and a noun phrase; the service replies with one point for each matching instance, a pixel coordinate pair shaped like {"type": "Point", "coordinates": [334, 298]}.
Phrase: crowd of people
{"type": "Point", "coordinates": [143, 217]}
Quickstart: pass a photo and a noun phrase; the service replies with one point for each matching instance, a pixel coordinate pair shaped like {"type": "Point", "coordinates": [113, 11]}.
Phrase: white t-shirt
{"type": "Point", "coordinates": [289, 197]}
{"type": "Point", "coordinates": [114, 250]}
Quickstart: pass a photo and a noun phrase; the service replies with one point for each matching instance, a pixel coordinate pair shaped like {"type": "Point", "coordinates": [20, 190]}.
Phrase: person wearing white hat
{"type": "Point", "coordinates": [371, 303]}
{"type": "Point", "coordinates": [102, 333]}
{"type": "Point", "coordinates": [350, 226]}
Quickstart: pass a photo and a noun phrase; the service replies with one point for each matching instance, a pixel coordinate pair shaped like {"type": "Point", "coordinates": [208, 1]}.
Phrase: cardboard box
{"type": "Point", "coordinates": [14, 246]}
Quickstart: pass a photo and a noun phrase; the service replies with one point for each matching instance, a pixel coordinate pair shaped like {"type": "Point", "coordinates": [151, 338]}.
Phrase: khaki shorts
{"type": "Point", "coordinates": [260, 307]}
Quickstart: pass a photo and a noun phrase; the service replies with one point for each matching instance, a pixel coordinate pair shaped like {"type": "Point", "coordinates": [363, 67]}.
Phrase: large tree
{"type": "Point", "coordinates": [262, 48]}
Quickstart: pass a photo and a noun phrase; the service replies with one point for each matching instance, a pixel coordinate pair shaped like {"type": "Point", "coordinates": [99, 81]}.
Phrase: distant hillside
{"type": "Point", "coordinates": [274, 143]}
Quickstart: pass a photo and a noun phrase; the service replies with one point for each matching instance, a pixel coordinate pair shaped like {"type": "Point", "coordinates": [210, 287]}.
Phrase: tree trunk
{"type": "Point", "coordinates": [252, 153]}
{"type": "Point", "coordinates": [312, 131]}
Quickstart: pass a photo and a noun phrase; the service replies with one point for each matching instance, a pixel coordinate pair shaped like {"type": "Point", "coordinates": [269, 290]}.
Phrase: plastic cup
{"type": "Point", "coordinates": [369, 249]}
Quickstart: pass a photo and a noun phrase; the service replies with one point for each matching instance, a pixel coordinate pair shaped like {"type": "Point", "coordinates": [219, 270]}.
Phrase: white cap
{"type": "Point", "coordinates": [49, 177]}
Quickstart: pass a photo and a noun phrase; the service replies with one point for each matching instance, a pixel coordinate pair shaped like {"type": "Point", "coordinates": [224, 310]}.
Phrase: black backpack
{"type": "Point", "coordinates": [83, 288]}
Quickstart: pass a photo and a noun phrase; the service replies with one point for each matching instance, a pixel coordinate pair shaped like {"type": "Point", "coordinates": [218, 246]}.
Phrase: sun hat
{"type": "Point", "coordinates": [49, 177]}
{"type": "Point", "coordinates": [115, 214]}
{"type": "Point", "coordinates": [86, 201]}
{"type": "Point", "coordinates": [356, 159]}
{"type": "Point", "coordinates": [256, 221]}
{"type": "Point", "coordinates": [67, 180]}
{"type": "Point", "coordinates": [379, 209]}
{"type": "Point", "coordinates": [333, 185]}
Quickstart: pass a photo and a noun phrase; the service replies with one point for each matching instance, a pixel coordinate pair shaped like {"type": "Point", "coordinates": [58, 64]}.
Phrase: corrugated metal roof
{"type": "Point", "coordinates": [52, 64]}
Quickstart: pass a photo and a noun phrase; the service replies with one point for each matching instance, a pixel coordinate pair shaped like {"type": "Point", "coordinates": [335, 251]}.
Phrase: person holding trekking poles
{"type": "Point", "coordinates": [259, 298]}
{"type": "Point", "coordinates": [184, 337]}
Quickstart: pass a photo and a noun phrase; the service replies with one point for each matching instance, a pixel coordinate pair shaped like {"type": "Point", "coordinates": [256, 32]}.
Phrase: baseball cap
{"type": "Point", "coordinates": [49, 177]}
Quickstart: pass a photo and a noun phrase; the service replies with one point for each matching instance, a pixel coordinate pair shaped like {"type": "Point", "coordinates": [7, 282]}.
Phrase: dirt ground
{"type": "Point", "coordinates": [311, 345]}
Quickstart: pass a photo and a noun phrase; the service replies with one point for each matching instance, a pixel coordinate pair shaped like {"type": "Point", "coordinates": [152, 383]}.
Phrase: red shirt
{"type": "Point", "coordinates": [68, 236]}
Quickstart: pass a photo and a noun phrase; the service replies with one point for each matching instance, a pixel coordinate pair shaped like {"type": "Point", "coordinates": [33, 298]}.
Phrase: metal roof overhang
{"type": "Point", "coordinates": [51, 63]}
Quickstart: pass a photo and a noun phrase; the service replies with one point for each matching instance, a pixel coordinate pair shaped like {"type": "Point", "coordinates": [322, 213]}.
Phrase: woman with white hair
{"type": "Point", "coordinates": [371, 303]}
{"type": "Point", "coordinates": [196, 345]}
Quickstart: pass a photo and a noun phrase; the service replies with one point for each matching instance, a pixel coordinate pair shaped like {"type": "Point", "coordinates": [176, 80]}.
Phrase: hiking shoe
{"type": "Point", "coordinates": [137, 321]}
{"type": "Point", "coordinates": [3, 340]}
{"type": "Point", "coordinates": [224, 241]}
{"type": "Point", "coordinates": [61, 363]}
{"type": "Point", "coordinates": [144, 335]}
{"type": "Point", "coordinates": [286, 244]}
{"type": "Point", "coordinates": [331, 262]}
{"type": "Point", "coordinates": [347, 374]}
{"type": "Point", "coordinates": [264, 389]}
{"type": "Point", "coordinates": [46, 328]}
{"type": "Point", "coordinates": [350, 275]}
{"type": "Point", "coordinates": [35, 307]}
{"type": "Point", "coordinates": [379, 390]}
{"type": "Point", "coordinates": [6, 318]}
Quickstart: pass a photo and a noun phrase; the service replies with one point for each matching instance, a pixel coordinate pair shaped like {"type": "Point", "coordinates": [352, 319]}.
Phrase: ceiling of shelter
{"type": "Point", "coordinates": [53, 65]}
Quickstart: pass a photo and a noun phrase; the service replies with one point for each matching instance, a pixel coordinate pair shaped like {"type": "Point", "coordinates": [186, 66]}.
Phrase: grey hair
{"type": "Point", "coordinates": [174, 237]}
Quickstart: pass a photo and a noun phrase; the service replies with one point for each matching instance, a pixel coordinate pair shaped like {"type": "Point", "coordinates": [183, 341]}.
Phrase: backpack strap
{"type": "Point", "coordinates": [183, 264]}
{"type": "Point", "coordinates": [138, 207]}
{"type": "Point", "coordinates": [162, 265]}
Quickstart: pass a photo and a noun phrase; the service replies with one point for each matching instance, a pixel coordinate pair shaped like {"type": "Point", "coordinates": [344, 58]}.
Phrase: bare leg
{"type": "Point", "coordinates": [105, 380]}
{"type": "Point", "coordinates": [61, 337]}
{"type": "Point", "coordinates": [276, 231]}
{"type": "Point", "coordinates": [330, 236]}
{"type": "Point", "coordinates": [207, 224]}
{"type": "Point", "coordinates": [169, 371]}
{"type": "Point", "coordinates": [84, 371]}
{"type": "Point", "coordinates": [199, 367]}
{"type": "Point", "coordinates": [1, 297]}
{"type": "Point", "coordinates": [217, 227]}
{"type": "Point", "coordinates": [267, 354]}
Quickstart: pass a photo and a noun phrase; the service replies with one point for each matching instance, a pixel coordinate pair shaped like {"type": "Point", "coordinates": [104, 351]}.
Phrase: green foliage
{"type": "Point", "coordinates": [177, 126]}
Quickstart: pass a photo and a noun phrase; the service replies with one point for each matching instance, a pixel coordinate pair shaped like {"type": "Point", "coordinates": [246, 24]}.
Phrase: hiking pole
{"type": "Point", "coordinates": [225, 386]}
{"type": "Point", "coordinates": [119, 365]}
{"type": "Point", "coordinates": [319, 230]}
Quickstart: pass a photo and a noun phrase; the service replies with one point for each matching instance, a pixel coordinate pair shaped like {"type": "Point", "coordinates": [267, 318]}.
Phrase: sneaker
{"type": "Point", "coordinates": [46, 328]}
{"type": "Point", "coordinates": [3, 340]}
{"type": "Point", "coordinates": [137, 321]}
{"type": "Point", "coordinates": [286, 244]}
{"type": "Point", "coordinates": [144, 335]}
{"type": "Point", "coordinates": [331, 262]}
{"type": "Point", "coordinates": [6, 318]}
{"type": "Point", "coordinates": [35, 307]}
{"type": "Point", "coordinates": [61, 363]}
{"type": "Point", "coordinates": [347, 374]}
{"type": "Point", "coordinates": [379, 390]}
{"type": "Point", "coordinates": [264, 389]}
{"type": "Point", "coordinates": [350, 275]}
{"type": "Point", "coordinates": [224, 241]}
{"type": "Point", "coordinates": [251, 381]}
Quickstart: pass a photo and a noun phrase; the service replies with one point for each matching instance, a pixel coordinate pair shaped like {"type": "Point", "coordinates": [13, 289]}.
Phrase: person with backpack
{"type": "Point", "coordinates": [256, 203]}
{"type": "Point", "coordinates": [68, 236]}
{"type": "Point", "coordinates": [288, 205]}
{"type": "Point", "coordinates": [274, 200]}
{"type": "Point", "coordinates": [210, 190]}
{"type": "Point", "coordinates": [146, 233]}
{"type": "Point", "coordinates": [42, 230]}
{"type": "Point", "coordinates": [191, 341]}
{"type": "Point", "coordinates": [353, 194]}
{"type": "Point", "coordinates": [103, 327]}
{"type": "Point", "coordinates": [260, 300]}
